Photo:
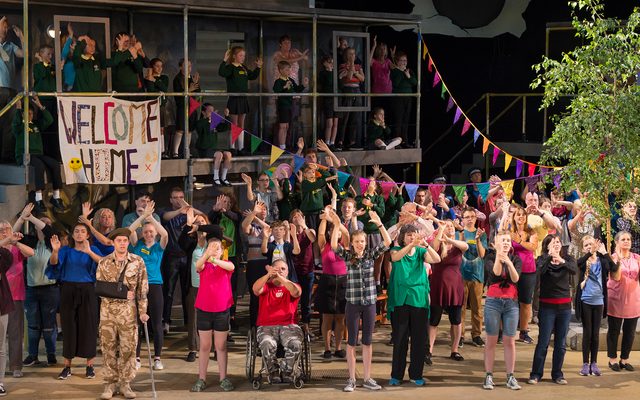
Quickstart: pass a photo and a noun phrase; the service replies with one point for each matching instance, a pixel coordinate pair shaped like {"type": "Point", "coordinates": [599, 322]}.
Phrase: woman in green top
{"type": "Point", "coordinates": [408, 303]}
{"type": "Point", "coordinates": [238, 76]}
{"type": "Point", "coordinates": [38, 123]}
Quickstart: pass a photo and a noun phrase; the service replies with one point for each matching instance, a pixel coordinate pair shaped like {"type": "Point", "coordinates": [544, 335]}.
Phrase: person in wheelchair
{"type": "Point", "coordinates": [278, 302]}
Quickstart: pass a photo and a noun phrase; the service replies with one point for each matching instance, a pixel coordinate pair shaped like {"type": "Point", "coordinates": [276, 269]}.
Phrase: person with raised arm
{"type": "Point", "coordinates": [361, 294]}
{"type": "Point", "coordinates": [74, 266]}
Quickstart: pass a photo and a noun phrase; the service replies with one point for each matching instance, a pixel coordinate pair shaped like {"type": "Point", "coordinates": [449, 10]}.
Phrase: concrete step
{"type": "Point", "coordinates": [574, 337]}
{"type": "Point", "coordinates": [12, 200]}
{"type": "Point", "coordinates": [11, 174]}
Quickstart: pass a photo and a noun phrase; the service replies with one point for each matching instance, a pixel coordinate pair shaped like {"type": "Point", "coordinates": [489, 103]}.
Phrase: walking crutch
{"type": "Point", "coordinates": [153, 382]}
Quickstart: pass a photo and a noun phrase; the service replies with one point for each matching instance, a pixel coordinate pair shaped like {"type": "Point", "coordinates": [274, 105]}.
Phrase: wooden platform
{"type": "Point", "coordinates": [248, 164]}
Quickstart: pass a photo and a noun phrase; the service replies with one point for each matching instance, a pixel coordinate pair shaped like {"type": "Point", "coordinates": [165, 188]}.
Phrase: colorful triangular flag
{"type": "Point", "coordinates": [443, 91]}
{"type": "Point", "coordinates": [556, 180]}
{"type": "Point", "coordinates": [255, 143]}
{"type": "Point", "coordinates": [507, 186]}
{"type": "Point", "coordinates": [450, 104]}
{"type": "Point", "coordinates": [507, 161]}
{"type": "Point", "coordinates": [386, 188]}
{"type": "Point", "coordinates": [483, 188]}
{"type": "Point", "coordinates": [412, 189]}
{"type": "Point", "coordinates": [436, 79]}
{"type": "Point", "coordinates": [458, 114]}
{"type": "Point", "coordinates": [465, 127]}
{"type": "Point", "coordinates": [364, 184]}
{"type": "Point", "coordinates": [193, 105]}
{"type": "Point", "coordinates": [496, 153]}
{"type": "Point", "coordinates": [298, 162]}
{"type": "Point", "coordinates": [424, 55]}
{"type": "Point", "coordinates": [532, 183]}
{"type": "Point", "coordinates": [236, 131]}
{"type": "Point", "coordinates": [485, 144]}
{"type": "Point", "coordinates": [342, 178]}
{"type": "Point", "coordinates": [276, 152]}
{"type": "Point", "coordinates": [532, 169]}
{"type": "Point", "coordinates": [215, 121]}
{"type": "Point", "coordinates": [518, 168]}
{"type": "Point", "coordinates": [435, 192]}
{"type": "Point", "coordinates": [459, 191]}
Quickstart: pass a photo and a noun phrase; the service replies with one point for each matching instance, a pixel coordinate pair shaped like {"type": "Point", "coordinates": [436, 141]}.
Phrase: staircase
{"type": "Point", "coordinates": [528, 151]}
{"type": "Point", "coordinates": [13, 194]}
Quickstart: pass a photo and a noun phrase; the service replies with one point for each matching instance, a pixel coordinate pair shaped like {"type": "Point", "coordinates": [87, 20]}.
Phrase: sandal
{"type": "Point", "coordinates": [200, 386]}
{"type": "Point", "coordinates": [456, 356]}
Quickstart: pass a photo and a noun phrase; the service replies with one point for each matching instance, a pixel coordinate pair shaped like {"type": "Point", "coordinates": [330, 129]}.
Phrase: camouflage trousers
{"type": "Point", "coordinates": [290, 337]}
{"type": "Point", "coordinates": [118, 340]}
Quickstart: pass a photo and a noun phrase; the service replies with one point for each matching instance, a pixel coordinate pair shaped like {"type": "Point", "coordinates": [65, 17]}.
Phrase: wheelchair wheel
{"type": "Point", "coordinates": [256, 384]}
{"type": "Point", "coordinates": [298, 383]}
{"type": "Point", "coordinates": [306, 359]}
{"type": "Point", "coordinates": [250, 358]}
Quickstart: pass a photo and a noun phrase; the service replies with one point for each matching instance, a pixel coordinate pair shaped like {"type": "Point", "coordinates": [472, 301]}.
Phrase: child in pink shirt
{"type": "Point", "coordinates": [213, 304]}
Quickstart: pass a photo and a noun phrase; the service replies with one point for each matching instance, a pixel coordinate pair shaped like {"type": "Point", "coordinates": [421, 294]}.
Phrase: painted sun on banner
{"type": "Point", "coordinates": [104, 140]}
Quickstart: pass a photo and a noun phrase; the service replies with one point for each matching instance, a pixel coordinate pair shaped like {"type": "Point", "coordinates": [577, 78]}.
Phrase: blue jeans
{"type": "Point", "coordinates": [41, 305]}
{"type": "Point", "coordinates": [556, 321]}
{"type": "Point", "coordinates": [306, 282]}
{"type": "Point", "coordinates": [503, 310]}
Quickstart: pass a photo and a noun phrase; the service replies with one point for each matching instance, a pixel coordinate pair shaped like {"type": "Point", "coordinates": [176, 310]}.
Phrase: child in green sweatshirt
{"type": "Point", "coordinates": [208, 145]}
{"type": "Point", "coordinates": [285, 84]}
{"type": "Point", "coordinates": [378, 132]}
{"type": "Point", "coordinates": [39, 120]}
{"type": "Point", "coordinates": [88, 66]}
{"type": "Point", "coordinates": [238, 76]}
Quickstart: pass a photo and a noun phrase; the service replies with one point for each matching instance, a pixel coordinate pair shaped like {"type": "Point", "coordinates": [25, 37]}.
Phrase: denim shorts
{"type": "Point", "coordinates": [503, 310]}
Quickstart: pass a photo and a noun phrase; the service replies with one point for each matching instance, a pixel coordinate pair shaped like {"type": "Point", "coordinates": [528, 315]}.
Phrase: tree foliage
{"type": "Point", "coordinates": [597, 138]}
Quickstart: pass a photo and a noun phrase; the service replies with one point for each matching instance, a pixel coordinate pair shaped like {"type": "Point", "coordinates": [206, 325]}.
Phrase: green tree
{"type": "Point", "coordinates": [597, 138]}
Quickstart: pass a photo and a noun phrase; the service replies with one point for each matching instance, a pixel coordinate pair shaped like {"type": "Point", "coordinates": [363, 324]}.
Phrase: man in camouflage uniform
{"type": "Point", "coordinates": [118, 327]}
{"type": "Point", "coordinates": [278, 304]}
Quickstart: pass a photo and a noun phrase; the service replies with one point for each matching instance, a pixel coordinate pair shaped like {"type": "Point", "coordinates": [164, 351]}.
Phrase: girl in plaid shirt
{"type": "Point", "coordinates": [361, 294]}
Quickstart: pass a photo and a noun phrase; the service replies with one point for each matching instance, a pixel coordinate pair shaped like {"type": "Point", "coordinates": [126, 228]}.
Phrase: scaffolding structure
{"type": "Point", "coordinates": [208, 8]}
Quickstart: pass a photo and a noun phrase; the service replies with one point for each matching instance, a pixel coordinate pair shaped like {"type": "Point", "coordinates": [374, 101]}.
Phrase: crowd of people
{"type": "Point", "coordinates": [309, 241]}
{"type": "Point", "coordinates": [312, 243]}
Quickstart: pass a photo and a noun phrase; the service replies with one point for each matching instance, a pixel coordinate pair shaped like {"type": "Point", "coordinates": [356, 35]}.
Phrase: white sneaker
{"type": "Point", "coordinates": [393, 143]}
{"type": "Point", "coordinates": [138, 363]}
{"type": "Point", "coordinates": [351, 386]}
{"type": "Point", "coordinates": [371, 384]}
{"type": "Point", "coordinates": [512, 383]}
{"type": "Point", "coordinates": [157, 365]}
{"type": "Point", "coordinates": [488, 382]}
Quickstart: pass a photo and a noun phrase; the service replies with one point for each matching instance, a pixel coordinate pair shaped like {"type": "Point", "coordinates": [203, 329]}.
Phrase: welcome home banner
{"type": "Point", "coordinates": [104, 140]}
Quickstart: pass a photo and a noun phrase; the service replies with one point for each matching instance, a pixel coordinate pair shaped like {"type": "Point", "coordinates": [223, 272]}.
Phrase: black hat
{"type": "Point", "coordinates": [214, 232]}
{"type": "Point", "coordinates": [120, 232]}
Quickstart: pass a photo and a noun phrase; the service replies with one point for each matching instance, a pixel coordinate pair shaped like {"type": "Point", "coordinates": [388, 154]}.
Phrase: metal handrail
{"type": "Point", "coordinates": [448, 131]}
{"type": "Point", "coordinates": [489, 122]}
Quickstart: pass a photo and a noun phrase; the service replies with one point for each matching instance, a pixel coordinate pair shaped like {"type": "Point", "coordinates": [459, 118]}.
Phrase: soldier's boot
{"type": "Point", "coordinates": [109, 389]}
{"type": "Point", "coordinates": [126, 391]}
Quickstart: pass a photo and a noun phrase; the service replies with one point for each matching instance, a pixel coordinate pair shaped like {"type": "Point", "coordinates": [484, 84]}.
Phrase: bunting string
{"type": "Point", "coordinates": [468, 124]}
{"type": "Point", "coordinates": [298, 162]}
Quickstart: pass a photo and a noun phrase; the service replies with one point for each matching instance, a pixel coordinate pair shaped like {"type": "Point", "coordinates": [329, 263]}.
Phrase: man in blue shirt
{"type": "Point", "coordinates": [9, 51]}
